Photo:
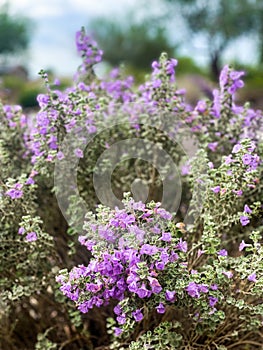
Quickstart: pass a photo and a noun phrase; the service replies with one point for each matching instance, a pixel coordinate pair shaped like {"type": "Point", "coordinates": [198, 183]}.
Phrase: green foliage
{"type": "Point", "coordinates": [14, 32]}
{"type": "Point", "coordinates": [28, 96]}
{"type": "Point", "coordinates": [135, 44]}
{"type": "Point", "coordinates": [164, 337]}
{"type": "Point", "coordinates": [43, 343]}
{"type": "Point", "coordinates": [220, 23]}
{"type": "Point", "coordinates": [188, 66]}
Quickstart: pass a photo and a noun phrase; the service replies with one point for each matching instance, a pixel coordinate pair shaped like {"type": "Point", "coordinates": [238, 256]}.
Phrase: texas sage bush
{"type": "Point", "coordinates": [131, 219]}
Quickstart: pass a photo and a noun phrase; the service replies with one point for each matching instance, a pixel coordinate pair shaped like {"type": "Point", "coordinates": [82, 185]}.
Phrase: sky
{"type": "Point", "coordinates": [56, 22]}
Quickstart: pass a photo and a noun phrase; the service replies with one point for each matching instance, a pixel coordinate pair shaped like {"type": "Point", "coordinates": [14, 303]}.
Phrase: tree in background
{"type": "Point", "coordinates": [135, 44]}
{"type": "Point", "coordinates": [14, 33]}
{"type": "Point", "coordinates": [220, 23]}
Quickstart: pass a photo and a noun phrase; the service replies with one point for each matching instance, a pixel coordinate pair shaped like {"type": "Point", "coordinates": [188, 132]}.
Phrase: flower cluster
{"type": "Point", "coordinates": [141, 261]}
{"type": "Point", "coordinates": [131, 253]}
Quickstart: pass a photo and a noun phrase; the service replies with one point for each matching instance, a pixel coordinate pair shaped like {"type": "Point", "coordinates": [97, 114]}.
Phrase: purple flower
{"type": "Point", "coordinates": [143, 292]}
{"type": "Point", "coordinates": [222, 252]}
{"type": "Point", "coordinates": [155, 285]}
{"type": "Point", "coordinates": [121, 319]}
{"type": "Point", "coordinates": [236, 85]}
{"type": "Point", "coordinates": [148, 249]}
{"type": "Point", "coordinates": [160, 308]}
{"type": "Point", "coordinates": [137, 314]}
{"type": "Point", "coordinates": [247, 159]}
{"type": "Point", "coordinates": [21, 230]}
{"type": "Point", "coordinates": [242, 245]}
{"type": "Point", "coordinates": [173, 256]}
{"type": "Point", "coordinates": [30, 181]}
{"type": "Point", "coordinates": [166, 237]}
{"type": "Point", "coordinates": [117, 331]}
{"type": "Point", "coordinates": [193, 290]}
{"type": "Point", "coordinates": [156, 83]}
{"type": "Point", "coordinates": [31, 237]}
{"type": "Point", "coordinates": [117, 310]}
{"type": "Point", "coordinates": [203, 288]}
{"type": "Point", "coordinates": [42, 100]}
{"type": "Point", "coordinates": [164, 256]}
{"type": "Point", "coordinates": [84, 307]}
{"type": "Point", "coordinates": [56, 81]}
{"type": "Point", "coordinates": [229, 159]}
{"type": "Point", "coordinates": [235, 75]}
{"type": "Point", "coordinates": [138, 206]}
{"type": "Point", "coordinates": [228, 274]}
{"type": "Point", "coordinates": [78, 153]}
{"type": "Point", "coordinates": [212, 301]}
{"type": "Point", "coordinates": [201, 106]}
{"type": "Point", "coordinates": [238, 192]}
{"type": "Point", "coordinates": [155, 65]}
{"type": "Point", "coordinates": [223, 79]}
{"type": "Point", "coordinates": [170, 295]}
{"type": "Point", "coordinates": [160, 265]}
{"type": "Point", "coordinates": [244, 220]}
{"type": "Point", "coordinates": [132, 286]}
{"type": "Point", "coordinates": [122, 219]}
{"type": "Point", "coordinates": [216, 109]}
{"type": "Point", "coordinates": [252, 277]}
{"type": "Point", "coordinates": [212, 146]}
{"type": "Point", "coordinates": [60, 155]}
{"type": "Point", "coordinates": [236, 148]}
{"type": "Point", "coordinates": [164, 214]}
{"type": "Point", "coordinates": [214, 286]}
{"type": "Point", "coordinates": [254, 163]}
{"type": "Point", "coordinates": [171, 64]}
{"type": "Point", "coordinates": [155, 229]}
{"type": "Point", "coordinates": [185, 169]}
{"type": "Point", "coordinates": [247, 209]}
{"type": "Point", "coordinates": [216, 189]}
{"type": "Point", "coordinates": [182, 245]}
{"type": "Point", "coordinates": [14, 193]}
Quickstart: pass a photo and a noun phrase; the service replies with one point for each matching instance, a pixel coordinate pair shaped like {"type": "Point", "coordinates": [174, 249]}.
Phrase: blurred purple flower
{"type": "Point", "coordinates": [21, 231]}
{"type": "Point", "coordinates": [193, 290]}
{"type": "Point", "coordinates": [170, 295]}
{"type": "Point", "coordinates": [242, 245]}
{"type": "Point", "coordinates": [216, 189]}
{"type": "Point", "coordinates": [78, 153]}
{"type": "Point", "coordinates": [31, 237]}
{"type": "Point", "coordinates": [228, 274]}
{"type": "Point", "coordinates": [137, 314]}
{"type": "Point", "coordinates": [160, 308]}
{"type": "Point", "coordinates": [213, 146]}
{"type": "Point", "coordinates": [223, 252]}
{"type": "Point", "coordinates": [166, 237]}
{"type": "Point", "coordinates": [247, 209]}
{"type": "Point", "coordinates": [212, 301]}
{"type": "Point", "coordinates": [236, 148]}
{"type": "Point", "coordinates": [182, 245]}
{"type": "Point", "coordinates": [252, 277]}
{"type": "Point", "coordinates": [244, 220]}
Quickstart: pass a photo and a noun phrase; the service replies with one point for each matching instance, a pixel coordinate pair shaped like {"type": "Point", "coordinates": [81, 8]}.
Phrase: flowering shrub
{"type": "Point", "coordinates": [137, 273]}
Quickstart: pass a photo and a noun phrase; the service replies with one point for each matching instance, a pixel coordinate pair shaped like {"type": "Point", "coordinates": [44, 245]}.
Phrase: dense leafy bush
{"type": "Point", "coordinates": [134, 273]}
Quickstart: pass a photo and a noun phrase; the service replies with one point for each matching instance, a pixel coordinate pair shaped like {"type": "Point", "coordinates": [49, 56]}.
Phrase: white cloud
{"type": "Point", "coordinates": [103, 7]}
{"type": "Point", "coordinates": [38, 9]}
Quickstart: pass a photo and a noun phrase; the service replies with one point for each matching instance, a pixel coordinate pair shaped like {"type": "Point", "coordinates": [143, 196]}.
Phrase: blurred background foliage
{"type": "Point", "coordinates": [138, 37]}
